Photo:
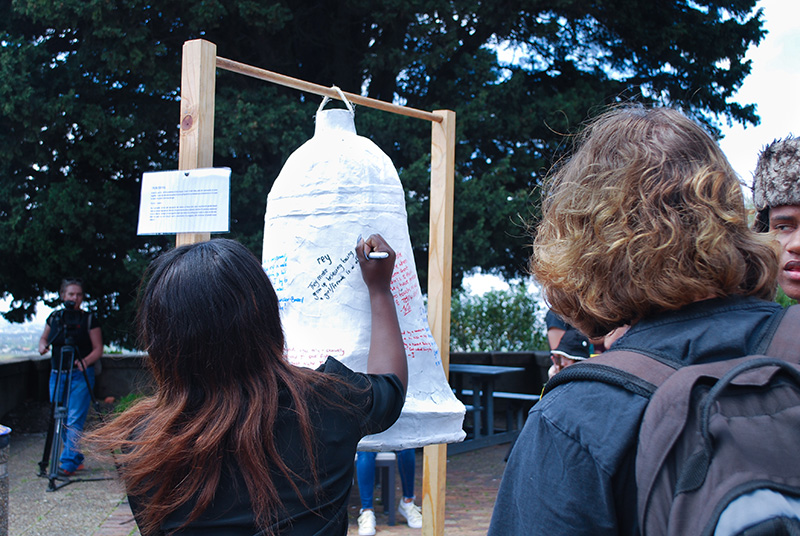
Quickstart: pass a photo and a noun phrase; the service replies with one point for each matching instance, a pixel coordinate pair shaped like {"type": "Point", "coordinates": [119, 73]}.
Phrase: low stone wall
{"type": "Point", "coordinates": [122, 375]}
{"type": "Point", "coordinates": [18, 381]}
{"type": "Point", "coordinates": [25, 378]}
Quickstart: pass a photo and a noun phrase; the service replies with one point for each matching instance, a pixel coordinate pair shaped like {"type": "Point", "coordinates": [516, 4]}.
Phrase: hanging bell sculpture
{"type": "Point", "coordinates": [334, 188]}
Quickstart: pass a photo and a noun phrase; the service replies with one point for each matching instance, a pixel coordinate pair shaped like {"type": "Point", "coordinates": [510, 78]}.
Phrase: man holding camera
{"type": "Point", "coordinates": [77, 344]}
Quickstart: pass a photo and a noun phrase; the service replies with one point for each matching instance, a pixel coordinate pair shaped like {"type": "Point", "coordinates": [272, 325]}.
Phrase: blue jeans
{"type": "Point", "coordinates": [77, 409]}
{"type": "Point", "coordinates": [365, 471]}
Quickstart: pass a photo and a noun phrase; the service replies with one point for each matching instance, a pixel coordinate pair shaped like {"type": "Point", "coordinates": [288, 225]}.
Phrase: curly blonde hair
{"type": "Point", "coordinates": [646, 216]}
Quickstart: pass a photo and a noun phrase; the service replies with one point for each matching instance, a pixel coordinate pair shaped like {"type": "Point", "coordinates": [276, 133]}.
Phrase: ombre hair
{"type": "Point", "coordinates": [209, 320]}
{"type": "Point", "coordinates": [646, 216]}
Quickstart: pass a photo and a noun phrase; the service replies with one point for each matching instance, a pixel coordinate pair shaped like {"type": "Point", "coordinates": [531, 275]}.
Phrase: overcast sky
{"type": "Point", "coordinates": [773, 85]}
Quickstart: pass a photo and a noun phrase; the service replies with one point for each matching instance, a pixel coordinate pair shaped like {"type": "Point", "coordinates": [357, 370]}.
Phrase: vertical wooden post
{"type": "Point", "coordinates": [440, 275]}
{"type": "Point", "coordinates": [198, 81]}
{"type": "Point", "coordinates": [198, 88]}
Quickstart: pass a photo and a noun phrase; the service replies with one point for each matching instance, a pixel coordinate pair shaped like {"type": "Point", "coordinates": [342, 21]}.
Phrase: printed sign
{"type": "Point", "coordinates": [193, 201]}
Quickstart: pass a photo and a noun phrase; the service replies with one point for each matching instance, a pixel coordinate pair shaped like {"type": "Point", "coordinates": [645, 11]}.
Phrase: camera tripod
{"type": "Point", "coordinates": [56, 429]}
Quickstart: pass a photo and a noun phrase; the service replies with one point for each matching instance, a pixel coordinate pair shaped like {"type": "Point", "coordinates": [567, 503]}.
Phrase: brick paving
{"type": "Point", "coordinates": [100, 509]}
{"type": "Point", "coordinates": [119, 523]}
{"type": "Point", "coordinates": [472, 482]}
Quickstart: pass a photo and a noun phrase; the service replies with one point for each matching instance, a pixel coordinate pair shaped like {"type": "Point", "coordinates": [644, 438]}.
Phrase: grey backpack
{"type": "Point", "coordinates": [719, 444]}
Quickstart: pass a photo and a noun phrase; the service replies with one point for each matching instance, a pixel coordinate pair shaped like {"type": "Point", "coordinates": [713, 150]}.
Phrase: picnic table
{"type": "Point", "coordinates": [476, 383]}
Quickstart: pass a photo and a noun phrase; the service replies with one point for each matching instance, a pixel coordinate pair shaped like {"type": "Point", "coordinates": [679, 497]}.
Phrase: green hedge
{"type": "Point", "coordinates": [499, 320]}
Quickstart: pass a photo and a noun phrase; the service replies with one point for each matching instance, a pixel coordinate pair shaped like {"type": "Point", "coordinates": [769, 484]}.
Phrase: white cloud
{"type": "Point", "coordinates": [772, 85]}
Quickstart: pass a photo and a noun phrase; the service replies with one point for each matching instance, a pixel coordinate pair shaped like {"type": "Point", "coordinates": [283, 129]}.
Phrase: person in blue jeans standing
{"type": "Point", "coordinates": [79, 331]}
{"type": "Point", "coordinates": [365, 472]}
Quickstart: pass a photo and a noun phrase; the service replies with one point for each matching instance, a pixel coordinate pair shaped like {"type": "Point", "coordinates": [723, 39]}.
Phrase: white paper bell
{"type": "Point", "coordinates": [334, 188]}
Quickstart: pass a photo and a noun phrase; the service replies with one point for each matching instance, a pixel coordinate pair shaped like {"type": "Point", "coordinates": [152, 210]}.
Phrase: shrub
{"type": "Point", "coordinates": [783, 299]}
{"type": "Point", "coordinates": [499, 320]}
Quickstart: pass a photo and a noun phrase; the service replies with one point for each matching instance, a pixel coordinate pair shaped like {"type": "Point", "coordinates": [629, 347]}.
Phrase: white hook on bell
{"type": "Point", "coordinates": [341, 96]}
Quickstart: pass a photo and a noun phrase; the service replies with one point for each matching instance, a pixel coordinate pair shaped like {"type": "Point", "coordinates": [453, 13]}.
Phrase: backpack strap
{"type": "Point", "coordinates": [784, 342]}
{"type": "Point", "coordinates": [642, 374]}
{"type": "Point", "coordinates": [635, 372]}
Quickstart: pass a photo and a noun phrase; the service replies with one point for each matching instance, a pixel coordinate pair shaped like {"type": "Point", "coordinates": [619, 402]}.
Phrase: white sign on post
{"type": "Point", "coordinates": [191, 201]}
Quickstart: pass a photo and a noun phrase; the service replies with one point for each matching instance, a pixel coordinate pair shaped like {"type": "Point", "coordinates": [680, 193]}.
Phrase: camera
{"type": "Point", "coordinates": [70, 317]}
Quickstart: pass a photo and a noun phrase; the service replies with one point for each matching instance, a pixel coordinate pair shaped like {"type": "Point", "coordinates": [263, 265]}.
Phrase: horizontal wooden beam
{"type": "Point", "coordinates": [308, 87]}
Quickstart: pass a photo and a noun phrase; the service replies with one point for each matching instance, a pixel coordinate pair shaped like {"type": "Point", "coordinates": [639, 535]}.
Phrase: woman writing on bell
{"type": "Point", "coordinates": [236, 440]}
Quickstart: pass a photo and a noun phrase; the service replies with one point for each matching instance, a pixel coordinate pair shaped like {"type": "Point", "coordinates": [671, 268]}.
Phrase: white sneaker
{"type": "Point", "coordinates": [411, 512]}
{"type": "Point", "coordinates": [366, 523]}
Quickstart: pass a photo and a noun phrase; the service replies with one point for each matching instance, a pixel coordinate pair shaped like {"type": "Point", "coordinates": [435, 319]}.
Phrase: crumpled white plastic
{"type": "Point", "coordinates": [333, 188]}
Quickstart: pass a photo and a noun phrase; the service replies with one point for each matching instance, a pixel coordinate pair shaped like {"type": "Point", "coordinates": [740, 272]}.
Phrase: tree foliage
{"type": "Point", "coordinates": [497, 321]}
{"type": "Point", "coordinates": [89, 101]}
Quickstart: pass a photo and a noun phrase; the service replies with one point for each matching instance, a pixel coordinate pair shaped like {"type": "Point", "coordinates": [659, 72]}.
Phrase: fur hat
{"type": "Point", "coordinates": [777, 178]}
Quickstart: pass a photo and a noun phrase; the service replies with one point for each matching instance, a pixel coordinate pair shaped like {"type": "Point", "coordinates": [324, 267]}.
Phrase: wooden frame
{"type": "Point", "coordinates": [198, 86]}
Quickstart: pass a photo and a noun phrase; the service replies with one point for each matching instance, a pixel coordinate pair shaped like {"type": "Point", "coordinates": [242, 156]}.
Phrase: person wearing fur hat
{"type": "Point", "coordinates": [776, 193]}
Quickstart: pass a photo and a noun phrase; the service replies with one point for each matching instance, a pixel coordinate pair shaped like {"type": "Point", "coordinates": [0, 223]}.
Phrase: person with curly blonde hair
{"type": "Point", "coordinates": [645, 225]}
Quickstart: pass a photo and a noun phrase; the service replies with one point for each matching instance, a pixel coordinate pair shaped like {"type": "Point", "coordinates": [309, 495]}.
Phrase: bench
{"type": "Point", "coordinates": [514, 413]}
{"type": "Point", "coordinates": [518, 401]}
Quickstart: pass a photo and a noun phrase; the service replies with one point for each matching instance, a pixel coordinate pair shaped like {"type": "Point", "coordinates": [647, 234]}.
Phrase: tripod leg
{"type": "Point", "coordinates": [48, 440]}
{"type": "Point", "coordinates": [57, 442]}
{"type": "Point", "coordinates": [89, 387]}
{"type": "Point", "coordinates": [61, 394]}
{"type": "Point", "coordinates": [56, 452]}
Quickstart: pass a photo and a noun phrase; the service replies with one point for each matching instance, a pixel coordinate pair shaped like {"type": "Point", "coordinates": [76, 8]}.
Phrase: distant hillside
{"type": "Point", "coordinates": [19, 339]}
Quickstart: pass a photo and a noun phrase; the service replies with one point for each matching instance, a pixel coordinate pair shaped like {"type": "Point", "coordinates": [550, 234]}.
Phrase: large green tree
{"type": "Point", "coordinates": [89, 101]}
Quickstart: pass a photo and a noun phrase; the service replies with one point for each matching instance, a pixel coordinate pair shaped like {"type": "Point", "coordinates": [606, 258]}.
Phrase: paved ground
{"type": "Point", "coordinates": [79, 508]}
{"type": "Point", "coordinates": [99, 508]}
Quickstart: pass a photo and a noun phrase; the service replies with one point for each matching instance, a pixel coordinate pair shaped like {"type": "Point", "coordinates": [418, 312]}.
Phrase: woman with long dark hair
{"type": "Point", "coordinates": [236, 440]}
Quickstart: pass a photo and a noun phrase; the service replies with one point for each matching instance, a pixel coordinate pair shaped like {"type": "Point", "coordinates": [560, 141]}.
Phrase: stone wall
{"type": "Point", "coordinates": [25, 378]}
